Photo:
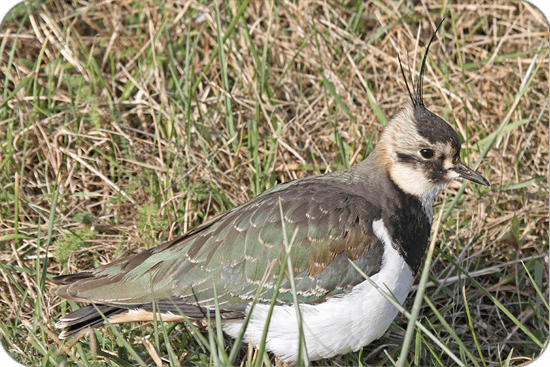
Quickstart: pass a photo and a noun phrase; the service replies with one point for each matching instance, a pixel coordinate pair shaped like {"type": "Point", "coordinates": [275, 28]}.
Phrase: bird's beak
{"type": "Point", "coordinates": [469, 174]}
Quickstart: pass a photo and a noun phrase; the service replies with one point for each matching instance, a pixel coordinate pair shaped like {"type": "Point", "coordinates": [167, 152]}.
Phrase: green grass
{"type": "Point", "coordinates": [130, 123]}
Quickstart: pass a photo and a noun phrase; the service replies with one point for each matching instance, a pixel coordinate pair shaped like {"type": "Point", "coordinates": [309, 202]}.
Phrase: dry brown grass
{"type": "Point", "coordinates": [105, 104]}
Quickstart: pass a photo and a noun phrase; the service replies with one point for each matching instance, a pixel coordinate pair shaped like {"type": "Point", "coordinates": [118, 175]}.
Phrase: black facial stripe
{"type": "Point", "coordinates": [407, 158]}
{"type": "Point", "coordinates": [433, 168]}
{"type": "Point", "coordinates": [456, 158]}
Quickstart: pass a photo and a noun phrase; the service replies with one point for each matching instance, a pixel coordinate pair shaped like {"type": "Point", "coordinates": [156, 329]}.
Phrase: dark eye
{"type": "Point", "coordinates": [427, 153]}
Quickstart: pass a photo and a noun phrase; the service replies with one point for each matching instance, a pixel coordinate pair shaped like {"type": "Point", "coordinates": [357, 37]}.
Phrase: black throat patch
{"type": "Point", "coordinates": [407, 224]}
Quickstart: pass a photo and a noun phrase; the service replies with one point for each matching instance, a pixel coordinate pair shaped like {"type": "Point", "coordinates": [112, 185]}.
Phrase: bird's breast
{"type": "Point", "coordinates": [340, 324]}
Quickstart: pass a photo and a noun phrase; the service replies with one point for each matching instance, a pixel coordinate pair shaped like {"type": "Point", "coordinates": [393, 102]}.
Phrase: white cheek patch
{"type": "Point", "coordinates": [410, 179]}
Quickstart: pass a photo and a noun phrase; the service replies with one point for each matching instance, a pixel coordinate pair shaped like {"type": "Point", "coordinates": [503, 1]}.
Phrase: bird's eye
{"type": "Point", "coordinates": [427, 153]}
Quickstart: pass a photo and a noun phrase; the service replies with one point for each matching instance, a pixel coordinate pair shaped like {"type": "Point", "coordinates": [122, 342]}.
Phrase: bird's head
{"type": "Point", "coordinates": [420, 150]}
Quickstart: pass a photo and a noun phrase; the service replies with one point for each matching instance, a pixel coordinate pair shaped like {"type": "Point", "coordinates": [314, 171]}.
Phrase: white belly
{"type": "Point", "coordinates": [339, 325]}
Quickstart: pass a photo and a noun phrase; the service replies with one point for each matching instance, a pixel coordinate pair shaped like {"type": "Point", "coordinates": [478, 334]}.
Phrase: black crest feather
{"type": "Point", "coordinates": [417, 98]}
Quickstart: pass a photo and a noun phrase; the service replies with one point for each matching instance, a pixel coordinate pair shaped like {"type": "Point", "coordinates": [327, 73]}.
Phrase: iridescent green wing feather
{"type": "Point", "coordinates": [232, 252]}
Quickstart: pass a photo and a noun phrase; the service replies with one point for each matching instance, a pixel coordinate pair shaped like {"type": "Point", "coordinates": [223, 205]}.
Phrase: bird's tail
{"type": "Point", "coordinates": [168, 309]}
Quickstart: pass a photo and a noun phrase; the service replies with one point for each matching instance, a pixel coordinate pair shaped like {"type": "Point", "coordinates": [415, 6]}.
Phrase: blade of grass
{"type": "Point", "coordinates": [522, 184]}
{"type": "Point", "coordinates": [432, 351]}
{"type": "Point", "coordinates": [302, 348]}
{"type": "Point", "coordinates": [230, 124]}
{"type": "Point", "coordinates": [284, 265]}
{"type": "Point", "coordinates": [239, 338]}
{"type": "Point", "coordinates": [171, 355]}
{"type": "Point", "coordinates": [332, 91]}
{"type": "Point", "coordinates": [534, 283]}
{"type": "Point", "coordinates": [450, 330]}
{"type": "Point", "coordinates": [43, 275]}
{"type": "Point", "coordinates": [213, 344]}
{"type": "Point", "coordinates": [380, 116]}
{"type": "Point", "coordinates": [121, 339]}
{"type": "Point", "coordinates": [471, 325]}
{"type": "Point", "coordinates": [230, 28]}
{"type": "Point", "coordinates": [330, 88]}
{"type": "Point", "coordinates": [253, 134]}
{"type": "Point", "coordinates": [115, 358]}
{"type": "Point", "coordinates": [220, 350]}
{"type": "Point", "coordinates": [263, 65]}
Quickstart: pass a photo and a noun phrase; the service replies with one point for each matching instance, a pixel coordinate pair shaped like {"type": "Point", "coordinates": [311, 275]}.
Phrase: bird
{"type": "Point", "coordinates": [376, 215]}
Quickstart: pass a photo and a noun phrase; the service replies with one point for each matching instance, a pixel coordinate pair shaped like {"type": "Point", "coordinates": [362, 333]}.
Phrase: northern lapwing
{"type": "Point", "coordinates": [377, 214]}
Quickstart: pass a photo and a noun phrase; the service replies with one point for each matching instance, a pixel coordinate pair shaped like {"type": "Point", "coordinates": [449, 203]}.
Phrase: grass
{"type": "Point", "coordinates": [127, 123]}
